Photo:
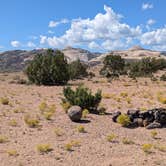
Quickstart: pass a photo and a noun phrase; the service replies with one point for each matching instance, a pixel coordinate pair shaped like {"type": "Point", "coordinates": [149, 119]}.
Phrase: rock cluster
{"type": "Point", "coordinates": [154, 118]}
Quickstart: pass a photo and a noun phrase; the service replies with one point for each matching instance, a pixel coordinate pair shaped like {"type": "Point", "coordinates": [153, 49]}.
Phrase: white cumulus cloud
{"type": "Point", "coordinates": [106, 27]}
{"type": "Point", "coordinates": [31, 44]}
{"type": "Point", "coordinates": [151, 22]}
{"type": "Point", "coordinates": [15, 43]}
{"type": "Point", "coordinates": [53, 24]}
{"type": "Point", "coordinates": [146, 6]}
{"type": "Point", "coordinates": [156, 39]}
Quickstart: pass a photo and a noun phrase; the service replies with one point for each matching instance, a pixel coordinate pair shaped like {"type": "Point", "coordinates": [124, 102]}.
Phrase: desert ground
{"type": "Point", "coordinates": [90, 148]}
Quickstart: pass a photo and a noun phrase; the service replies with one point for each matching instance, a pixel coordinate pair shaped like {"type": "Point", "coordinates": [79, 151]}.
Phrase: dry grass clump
{"type": "Point", "coordinates": [161, 97]}
{"type": "Point", "coordinates": [4, 101]}
{"type": "Point", "coordinates": [12, 152]}
{"type": "Point", "coordinates": [81, 129]}
{"type": "Point", "coordinates": [46, 110]}
{"type": "Point", "coordinates": [3, 139]}
{"type": "Point", "coordinates": [161, 148]}
{"type": "Point", "coordinates": [85, 112]}
{"type": "Point", "coordinates": [44, 148]}
{"type": "Point", "coordinates": [127, 141]}
{"type": "Point", "coordinates": [106, 96]}
{"type": "Point", "coordinates": [58, 132]}
{"type": "Point", "coordinates": [111, 137]}
{"type": "Point", "coordinates": [124, 120]}
{"type": "Point", "coordinates": [31, 122]}
{"type": "Point", "coordinates": [69, 146]}
{"type": "Point", "coordinates": [124, 94]}
{"type": "Point", "coordinates": [154, 134]}
{"type": "Point", "coordinates": [13, 123]}
{"type": "Point", "coordinates": [66, 106]}
{"type": "Point", "coordinates": [147, 148]}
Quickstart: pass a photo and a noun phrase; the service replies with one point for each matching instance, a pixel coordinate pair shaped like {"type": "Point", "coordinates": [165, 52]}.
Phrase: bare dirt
{"type": "Point", "coordinates": [94, 149]}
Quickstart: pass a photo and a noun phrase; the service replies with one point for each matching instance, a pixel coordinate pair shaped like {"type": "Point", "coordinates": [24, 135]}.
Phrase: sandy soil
{"type": "Point", "coordinates": [94, 149]}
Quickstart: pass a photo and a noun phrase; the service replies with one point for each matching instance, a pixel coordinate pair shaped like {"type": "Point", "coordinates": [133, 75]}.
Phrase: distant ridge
{"type": "Point", "coordinates": [16, 60]}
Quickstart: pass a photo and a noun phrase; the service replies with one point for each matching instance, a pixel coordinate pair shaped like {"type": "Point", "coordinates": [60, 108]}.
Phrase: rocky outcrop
{"type": "Point", "coordinates": [154, 118]}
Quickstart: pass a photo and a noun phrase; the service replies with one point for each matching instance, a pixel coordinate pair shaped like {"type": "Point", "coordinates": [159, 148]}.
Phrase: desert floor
{"type": "Point", "coordinates": [91, 148]}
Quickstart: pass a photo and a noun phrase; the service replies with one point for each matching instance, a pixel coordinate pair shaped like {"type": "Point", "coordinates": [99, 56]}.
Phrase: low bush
{"type": "Point", "coordinates": [124, 120]}
{"type": "Point", "coordinates": [77, 70]}
{"type": "Point", "coordinates": [146, 67]}
{"type": "Point", "coordinates": [163, 77]}
{"type": "Point", "coordinates": [82, 97]}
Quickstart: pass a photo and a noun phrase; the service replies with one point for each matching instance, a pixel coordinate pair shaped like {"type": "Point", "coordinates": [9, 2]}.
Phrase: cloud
{"type": "Point", "coordinates": [31, 44]}
{"type": "Point", "coordinates": [155, 39]}
{"type": "Point", "coordinates": [94, 45]}
{"type": "Point", "coordinates": [51, 32]}
{"type": "Point", "coordinates": [43, 39]}
{"type": "Point", "coordinates": [15, 43]}
{"type": "Point", "coordinates": [146, 6]}
{"type": "Point", "coordinates": [53, 24]}
{"type": "Point", "coordinates": [104, 27]}
{"type": "Point", "coordinates": [151, 22]}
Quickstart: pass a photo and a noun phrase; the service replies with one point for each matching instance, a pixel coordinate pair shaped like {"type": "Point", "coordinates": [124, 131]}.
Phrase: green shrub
{"type": "Point", "coordinates": [124, 120]}
{"type": "Point", "coordinates": [82, 97]}
{"type": "Point", "coordinates": [163, 77]}
{"type": "Point", "coordinates": [77, 70]}
{"type": "Point", "coordinates": [112, 64]}
{"type": "Point", "coordinates": [48, 69]}
{"type": "Point", "coordinates": [146, 67]}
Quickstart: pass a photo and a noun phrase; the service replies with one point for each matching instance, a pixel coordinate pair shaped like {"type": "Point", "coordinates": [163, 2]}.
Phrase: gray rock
{"type": "Point", "coordinates": [75, 113]}
{"type": "Point", "coordinates": [139, 122]}
{"type": "Point", "coordinates": [154, 125]}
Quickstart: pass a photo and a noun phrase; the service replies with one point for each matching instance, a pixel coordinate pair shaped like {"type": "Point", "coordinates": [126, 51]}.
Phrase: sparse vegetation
{"type": "Point", "coordinates": [146, 67]}
{"type": "Point", "coordinates": [31, 122]}
{"type": "Point", "coordinates": [13, 123]}
{"type": "Point", "coordinates": [68, 146]}
{"type": "Point", "coordinates": [124, 120]}
{"type": "Point", "coordinates": [154, 134]}
{"type": "Point", "coordinates": [163, 77]}
{"type": "Point", "coordinates": [147, 148]}
{"type": "Point", "coordinates": [111, 137]}
{"type": "Point", "coordinates": [58, 132]}
{"type": "Point", "coordinates": [4, 101]}
{"type": "Point", "coordinates": [12, 152]}
{"type": "Point", "coordinates": [82, 97]}
{"type": "Point", "coordinates": [44, 148]}
{"type": "Point", "coordinates": [127, 141]}
{"type": "Point", "coordinates": [81, 129]}
{"type": "Point", "coordinates": [3, 139]}
{"type": "Point", "coordinates": [85, 112]}
{"type": "Point", "coordinates": [77, 70]}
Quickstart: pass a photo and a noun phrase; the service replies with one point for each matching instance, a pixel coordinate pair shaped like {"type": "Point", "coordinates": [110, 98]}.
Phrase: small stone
{"type": "Point", "coordinates": [154, 125]}
{"type": "Point", "coordinates": [115, 116]}
{"type": "Point", "coordinates": [139, 122]}
{"type": "Point", "coordinates": [75, 113]}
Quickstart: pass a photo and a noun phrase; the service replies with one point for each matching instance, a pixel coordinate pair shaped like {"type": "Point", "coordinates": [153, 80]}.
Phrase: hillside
{"type": "Point", "coordinates": [16, 60]}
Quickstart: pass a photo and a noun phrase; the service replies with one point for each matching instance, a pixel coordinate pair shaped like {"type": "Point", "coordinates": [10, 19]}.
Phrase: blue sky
{"type": "Point", "coordinates": [96, 25]}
